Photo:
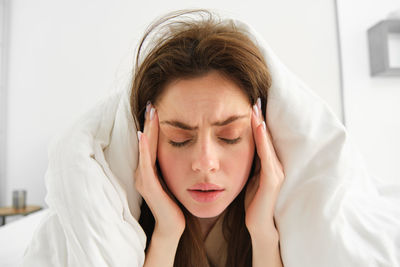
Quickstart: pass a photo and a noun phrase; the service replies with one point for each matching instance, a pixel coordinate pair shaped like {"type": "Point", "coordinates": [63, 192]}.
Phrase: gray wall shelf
{"type": "Point", "coordinates": [378, 36]}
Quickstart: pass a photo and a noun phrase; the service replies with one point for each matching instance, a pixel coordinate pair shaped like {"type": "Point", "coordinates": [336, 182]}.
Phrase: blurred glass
{"type": "Point", "coordinates": [19, 199]}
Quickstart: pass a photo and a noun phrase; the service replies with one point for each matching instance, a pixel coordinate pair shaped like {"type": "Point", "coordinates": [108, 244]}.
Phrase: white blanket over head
{"type": "Point", "coordinates": [330, 211]}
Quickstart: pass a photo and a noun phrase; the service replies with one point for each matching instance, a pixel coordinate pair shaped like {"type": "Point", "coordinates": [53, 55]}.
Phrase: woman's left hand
{"type": "Point", "coordinates": [263, 189]}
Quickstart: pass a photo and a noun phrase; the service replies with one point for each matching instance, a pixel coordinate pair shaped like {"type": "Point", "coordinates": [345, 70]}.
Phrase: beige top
{"type": "Point", "coordinates": [216, 245]}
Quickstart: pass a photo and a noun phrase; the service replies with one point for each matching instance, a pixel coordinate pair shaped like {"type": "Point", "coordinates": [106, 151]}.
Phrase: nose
{"type": "Point", "coordinates": [206, 157]}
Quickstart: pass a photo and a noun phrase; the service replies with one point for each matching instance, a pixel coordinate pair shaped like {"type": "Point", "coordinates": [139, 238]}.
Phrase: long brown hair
{"type": "Point", "coordinates": [185, 47]}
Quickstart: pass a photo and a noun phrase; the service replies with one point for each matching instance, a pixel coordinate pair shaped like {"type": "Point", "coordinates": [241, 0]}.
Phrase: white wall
{"type": "Point", "coordinates": [371, 103]}
{"type": "Point", "coordinates": [65, 55]}
{"type": "Point", "coordinates": [4, 26]}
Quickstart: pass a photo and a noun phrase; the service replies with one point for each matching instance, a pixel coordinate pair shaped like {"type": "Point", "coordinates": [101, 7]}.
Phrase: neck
{"type": "Point", "coordinates": [207, 223]}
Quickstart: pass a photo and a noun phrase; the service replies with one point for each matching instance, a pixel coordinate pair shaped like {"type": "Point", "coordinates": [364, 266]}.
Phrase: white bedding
{"type": "Point", "coordinates": [330, 211]}
{"type": "Point", "coordinates": [16, 236]}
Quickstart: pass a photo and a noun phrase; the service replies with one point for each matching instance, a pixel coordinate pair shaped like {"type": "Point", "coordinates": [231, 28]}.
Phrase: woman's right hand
{"type": "Point", "coordinates": [168, 216]}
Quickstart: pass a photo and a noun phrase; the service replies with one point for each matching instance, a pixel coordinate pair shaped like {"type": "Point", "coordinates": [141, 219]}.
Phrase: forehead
{"type": "Point", "coordinates": [211, 94]}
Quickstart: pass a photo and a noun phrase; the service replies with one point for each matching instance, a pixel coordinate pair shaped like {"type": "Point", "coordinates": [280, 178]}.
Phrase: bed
{"type": "Point", "coordinates": [15, 237]}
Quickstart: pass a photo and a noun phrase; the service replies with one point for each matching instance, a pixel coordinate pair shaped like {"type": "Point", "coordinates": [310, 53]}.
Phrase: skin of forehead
{"type": "Point", "coordinates": [196, 88]}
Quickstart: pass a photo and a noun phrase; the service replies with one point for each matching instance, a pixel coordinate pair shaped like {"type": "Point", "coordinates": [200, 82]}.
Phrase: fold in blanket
{"type": "Point", "coordinates": [330, 212]}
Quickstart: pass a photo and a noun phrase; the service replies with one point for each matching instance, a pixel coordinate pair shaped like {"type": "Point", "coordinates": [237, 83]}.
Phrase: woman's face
{"type": "Point", "coordinates": [188, 113]}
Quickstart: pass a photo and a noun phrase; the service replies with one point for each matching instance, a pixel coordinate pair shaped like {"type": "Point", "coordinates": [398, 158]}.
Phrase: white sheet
{"type": "Point", "coordinates": [330, 212]}
{"type": "Point", "coordinates": [16, 236]}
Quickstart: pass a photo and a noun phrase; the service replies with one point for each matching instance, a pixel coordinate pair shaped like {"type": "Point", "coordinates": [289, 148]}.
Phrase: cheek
{"type": "Point", "coordinates": [239, 163]}
{"type": "Point", "coordinates": [172, 166]}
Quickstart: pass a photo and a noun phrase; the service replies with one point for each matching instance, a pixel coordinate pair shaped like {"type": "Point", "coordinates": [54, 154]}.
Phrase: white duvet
{"type": "Point", "coordinates": [330, 211]}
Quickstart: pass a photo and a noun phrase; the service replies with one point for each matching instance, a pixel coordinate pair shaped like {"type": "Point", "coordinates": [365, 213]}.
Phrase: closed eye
{"type": "Point", "coordinates": [231, 141]}
{"type": "Point", "coordinates": [228, 141]}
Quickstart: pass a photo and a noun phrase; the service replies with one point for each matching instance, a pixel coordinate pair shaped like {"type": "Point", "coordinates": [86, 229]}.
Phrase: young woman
{"type": "Point", "coordinates": [207, 171]}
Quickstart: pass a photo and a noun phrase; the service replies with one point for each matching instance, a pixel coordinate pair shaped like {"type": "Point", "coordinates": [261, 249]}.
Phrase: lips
{"type": "Point", "coordinates": [205, 192]}
{"type": "Point", "coordinates": [205, 187]}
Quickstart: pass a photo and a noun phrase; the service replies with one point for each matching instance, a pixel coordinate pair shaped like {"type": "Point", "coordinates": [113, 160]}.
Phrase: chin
{"type": "Point", "coordinates": [206, 211]}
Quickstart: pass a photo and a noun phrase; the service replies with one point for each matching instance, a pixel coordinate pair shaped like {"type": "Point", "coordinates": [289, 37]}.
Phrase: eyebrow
{"type": "Point", "coordinates": [184, 126]}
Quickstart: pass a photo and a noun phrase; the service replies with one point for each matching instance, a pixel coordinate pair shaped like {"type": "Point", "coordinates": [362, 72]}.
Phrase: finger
{"type": "Point", "coordinates": [259, 133]}
{"type": "Point", "coordinates": [143, 183]}
{"type": "Point", "coordinates": [151, 130]}
{"type": "Point", "coordinates": [270, 162]}
{"type": "Point", "coordinates": [148, 185]}
{"type": "Point", "coordinates": [262, 135]}
{"type": "Point", "coordinates": [144, 156]}
{"type": "Point", "coordinates": [251, 190]}
{"type": "Point", "coordinates": [263, 119]}
{"type": "Point", "coordinates": [150, 149]}
{"type": "Point", "coordinates": [142, 164]}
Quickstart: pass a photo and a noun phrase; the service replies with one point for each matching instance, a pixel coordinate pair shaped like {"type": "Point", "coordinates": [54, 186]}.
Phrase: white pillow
{"type": "Point", "coordinates": [329, 211]}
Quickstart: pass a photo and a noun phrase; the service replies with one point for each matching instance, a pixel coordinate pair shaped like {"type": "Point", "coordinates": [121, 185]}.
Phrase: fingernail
{"type": "Point", "coordinates": [139, 134]}
{"type": "Point", "coordinates": [152, 113]}
{"type": "Point", "coordinates": [148, 106]}
{"type": "Point", "coordinates": [259, 103]}
{"type": "Point", "coordinates": [264, 126]}
{"type": "Point", "coordinates": [255, 109]}
{"type": "Point", "coordinates": [147, 109]}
